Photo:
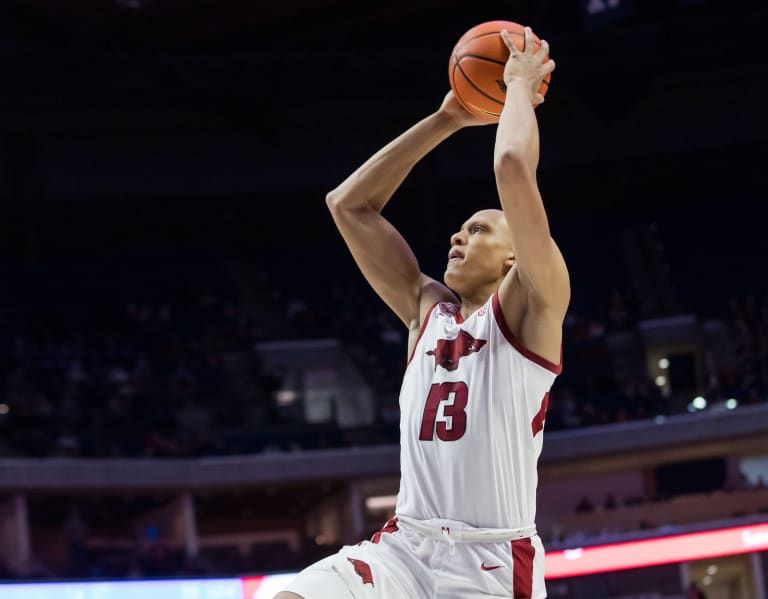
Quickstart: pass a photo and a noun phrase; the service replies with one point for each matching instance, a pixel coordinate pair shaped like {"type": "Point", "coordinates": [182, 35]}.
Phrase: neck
{"type": "Point", "coordinates": [473, 301]}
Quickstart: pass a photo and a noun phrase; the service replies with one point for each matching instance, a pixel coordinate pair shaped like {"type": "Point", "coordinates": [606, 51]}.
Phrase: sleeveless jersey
{"type": "Point", "coordinates": [472, 404]}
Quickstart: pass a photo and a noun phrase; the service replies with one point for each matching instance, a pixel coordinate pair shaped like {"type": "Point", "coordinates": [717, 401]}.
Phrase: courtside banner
{"type": "Point", "coordinates": [654, 552]}
{"type": "Point", "coordinates": [559, 564]}
{"type": "Point", "coordinates": [223, 588]}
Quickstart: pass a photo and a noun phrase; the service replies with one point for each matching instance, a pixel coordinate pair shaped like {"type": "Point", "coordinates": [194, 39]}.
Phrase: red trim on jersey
{"type": "Point", "coordinates": [389, 527]}
{"type": "Point", "coordinates": [421, 332]}
{"type": "Point", "coordinates": [501, 321]}
{"type": "Point", "coordinates": [537, 424]}
{"type": "Point", "coordinates": [458, 316]}
{"type": "Point", "coordinates": [363, 570]}
{"type": "Point", "coordinates": [523, 552]}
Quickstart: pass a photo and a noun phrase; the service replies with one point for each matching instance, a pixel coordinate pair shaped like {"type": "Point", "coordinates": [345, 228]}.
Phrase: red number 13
{"type": "Point", "coordinates": [442, 393]}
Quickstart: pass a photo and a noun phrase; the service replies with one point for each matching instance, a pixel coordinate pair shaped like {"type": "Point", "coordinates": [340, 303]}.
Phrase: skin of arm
{"type": "Point", "coordinates": [381, 253]}
{"type": "Point", "coordinates": [540, 266]}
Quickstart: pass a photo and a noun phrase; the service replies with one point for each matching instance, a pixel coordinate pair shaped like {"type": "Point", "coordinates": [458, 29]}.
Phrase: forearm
{"type": "Point", "coordinates": [374, 183]}
{"type": "Point", "coordinates": [516, 156]}
{"type": "Point", "coordinates": [517, 136]}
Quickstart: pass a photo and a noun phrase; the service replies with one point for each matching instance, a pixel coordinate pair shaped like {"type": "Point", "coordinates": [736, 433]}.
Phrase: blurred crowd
{"type": "Point", "coordinates": [70, 556]}
{"type": "Point", "coordinates": [162, 375]}
{"type": "Point", "coordinates": [174, 372]}
{"type": "Point", "coordinates": [116, 387]}
{"type": "Point", "coordinates": [746, 376]}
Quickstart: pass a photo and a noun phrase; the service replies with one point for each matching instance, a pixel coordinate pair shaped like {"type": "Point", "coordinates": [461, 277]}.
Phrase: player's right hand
{"type": "Point", "coordinates": [460, 115]}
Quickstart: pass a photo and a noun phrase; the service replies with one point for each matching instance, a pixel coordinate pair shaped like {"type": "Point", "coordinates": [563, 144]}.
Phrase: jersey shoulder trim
{"type": "Point", "coordinates": [515, 342]}
{"type": "Point", "coordinates": [421, 332]}
{"type": "Point", "coordinates": [450, 310]}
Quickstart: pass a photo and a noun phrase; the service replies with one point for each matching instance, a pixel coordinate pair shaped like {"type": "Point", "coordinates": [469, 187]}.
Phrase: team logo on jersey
{"type": "Point", "coordinates": [447, 309]}
{"type": "Point", "coordinates": [363, 570]}
{"type": "Point", "coordinates": [448, 352]}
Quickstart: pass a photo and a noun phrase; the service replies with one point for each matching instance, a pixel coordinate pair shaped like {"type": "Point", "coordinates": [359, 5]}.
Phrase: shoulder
{"type": "Point", "coordinates": [432, 294]}
{"type": "Point", "coordinates": [532, 327]}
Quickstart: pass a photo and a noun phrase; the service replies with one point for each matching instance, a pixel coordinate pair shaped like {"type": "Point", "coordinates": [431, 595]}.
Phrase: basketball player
{"type": "Point", "coordinates": [475, 390]}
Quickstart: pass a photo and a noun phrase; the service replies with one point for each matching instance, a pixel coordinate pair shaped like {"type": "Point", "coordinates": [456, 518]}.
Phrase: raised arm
{"type": "Point", "coordinates": [382, 254]}
{"type": "Point", "coordinates": [540, 266]}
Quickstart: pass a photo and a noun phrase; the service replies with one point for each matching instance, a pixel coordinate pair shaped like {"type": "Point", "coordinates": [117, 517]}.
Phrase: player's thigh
{"type": "Point", "coordinates": [318, 581]}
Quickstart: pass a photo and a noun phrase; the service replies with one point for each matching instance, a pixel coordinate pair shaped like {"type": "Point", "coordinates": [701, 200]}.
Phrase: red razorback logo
{"type": "Point", "coordinates": [449, 351]}
{"type": "Point", "coordinates": [363, 570]}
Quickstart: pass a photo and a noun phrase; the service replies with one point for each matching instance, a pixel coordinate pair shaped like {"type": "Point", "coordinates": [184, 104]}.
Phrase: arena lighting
{"type": "Point", "coordinates": [286, 397]}
{"type": "Point", "coordinates": [664, 363]}
{"type": "Point", "coordinates": [699, 402]}
{"type": "Point", "coordinates": [661, 380]}
{"type": "Point", "coordinates": [654, 552]}
{"type": "Point", "coordinates": [223, 588]}
{"type": "Point", "coordinates": [381, 502]}
{"type": "Point", "coordinates": [731, 404]}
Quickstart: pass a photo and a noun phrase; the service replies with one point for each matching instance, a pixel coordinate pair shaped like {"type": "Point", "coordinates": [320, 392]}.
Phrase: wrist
{"type": "Point", "coordinates": [515, 82]}
{"type": "Point", "coordinates": [517, 87]}
{"type": "Point", "coordinates": [447, 121]}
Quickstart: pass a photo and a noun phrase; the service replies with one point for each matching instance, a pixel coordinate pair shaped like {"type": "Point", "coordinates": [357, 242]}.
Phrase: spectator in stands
{"type": "Point", "coordinates": [694, 592]}
{"type": "Point", "coordinates": [584, 506]}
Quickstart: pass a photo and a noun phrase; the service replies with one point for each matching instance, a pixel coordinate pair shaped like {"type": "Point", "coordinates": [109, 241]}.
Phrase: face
{"type": "Point", "coordinates": [481, 253]}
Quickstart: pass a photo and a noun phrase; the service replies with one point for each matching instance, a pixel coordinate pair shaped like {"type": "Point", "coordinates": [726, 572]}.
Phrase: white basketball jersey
{"type": "Point", "coordinates": [473, 404]}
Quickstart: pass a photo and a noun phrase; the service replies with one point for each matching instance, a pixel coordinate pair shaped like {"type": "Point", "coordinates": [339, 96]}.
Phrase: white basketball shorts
{"type": "Point", "coordinates": [430, 559]}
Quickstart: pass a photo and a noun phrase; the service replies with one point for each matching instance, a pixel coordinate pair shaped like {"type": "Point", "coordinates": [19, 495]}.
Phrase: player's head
{"type": "Point", "coordinates": [481, 253]}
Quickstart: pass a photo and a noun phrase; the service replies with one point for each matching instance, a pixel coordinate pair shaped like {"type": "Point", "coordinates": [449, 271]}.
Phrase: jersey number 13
{"type": "Point", "coordinates": [453, 398]}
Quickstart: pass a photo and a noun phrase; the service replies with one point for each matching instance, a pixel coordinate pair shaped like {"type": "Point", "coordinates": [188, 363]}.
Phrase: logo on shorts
{"type": "Point", "coordinates": [487, 568]}
{"type": "Point", "coordinates": [363, 570]}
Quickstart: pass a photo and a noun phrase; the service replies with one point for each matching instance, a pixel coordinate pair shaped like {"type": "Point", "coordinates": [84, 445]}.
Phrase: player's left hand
{"type": "Point", "coordinates": [528, 66]}
{"type": "Point", "coordinates": [460, 115]}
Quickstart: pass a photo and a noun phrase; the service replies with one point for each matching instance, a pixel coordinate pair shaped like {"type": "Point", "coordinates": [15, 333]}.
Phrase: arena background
{"type": "Point", "coordinates": [197, 389]}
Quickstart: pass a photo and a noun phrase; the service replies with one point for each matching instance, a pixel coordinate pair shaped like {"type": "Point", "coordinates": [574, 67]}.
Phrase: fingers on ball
{"type": "Point", "coordinates": [508, 40]}
{"type": "Point", "coordinates": [528, 39]}
{"type": "Point", "coordinates": [543, 50]}
{"type": "Point", "coordinates": [549, 66]}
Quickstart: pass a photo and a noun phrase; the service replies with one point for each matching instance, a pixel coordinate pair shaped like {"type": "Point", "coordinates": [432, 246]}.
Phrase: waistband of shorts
{"type": "Point", "coordinates": [455, 531]}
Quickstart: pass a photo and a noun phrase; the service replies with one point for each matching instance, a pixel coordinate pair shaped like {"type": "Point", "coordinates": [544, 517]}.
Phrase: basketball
{"type": "Point", "coordinates": [476, 68]}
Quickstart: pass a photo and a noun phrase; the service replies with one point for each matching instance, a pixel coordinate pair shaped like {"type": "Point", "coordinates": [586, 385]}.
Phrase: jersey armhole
{"type": "Point", "coordinates": [516, 343]}
{"type": "Point", "coordinates": [421, 333]}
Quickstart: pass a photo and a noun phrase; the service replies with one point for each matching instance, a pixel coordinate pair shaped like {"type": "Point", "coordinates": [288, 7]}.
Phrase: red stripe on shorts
{"type": "Point", "coordinates": [522, 568]}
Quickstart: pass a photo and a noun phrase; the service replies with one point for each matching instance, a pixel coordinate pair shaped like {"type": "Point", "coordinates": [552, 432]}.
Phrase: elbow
{"type": "Point", "coordinates": [339, 200]}
{"type": "Point", "coordinates": [332, 200]}
{"type": "Point", "coordinates": [510, 159]}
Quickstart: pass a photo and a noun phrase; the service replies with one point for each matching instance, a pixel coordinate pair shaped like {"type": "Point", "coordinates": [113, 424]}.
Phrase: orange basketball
{"type": "Point", "coordinates": [476, 68]}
